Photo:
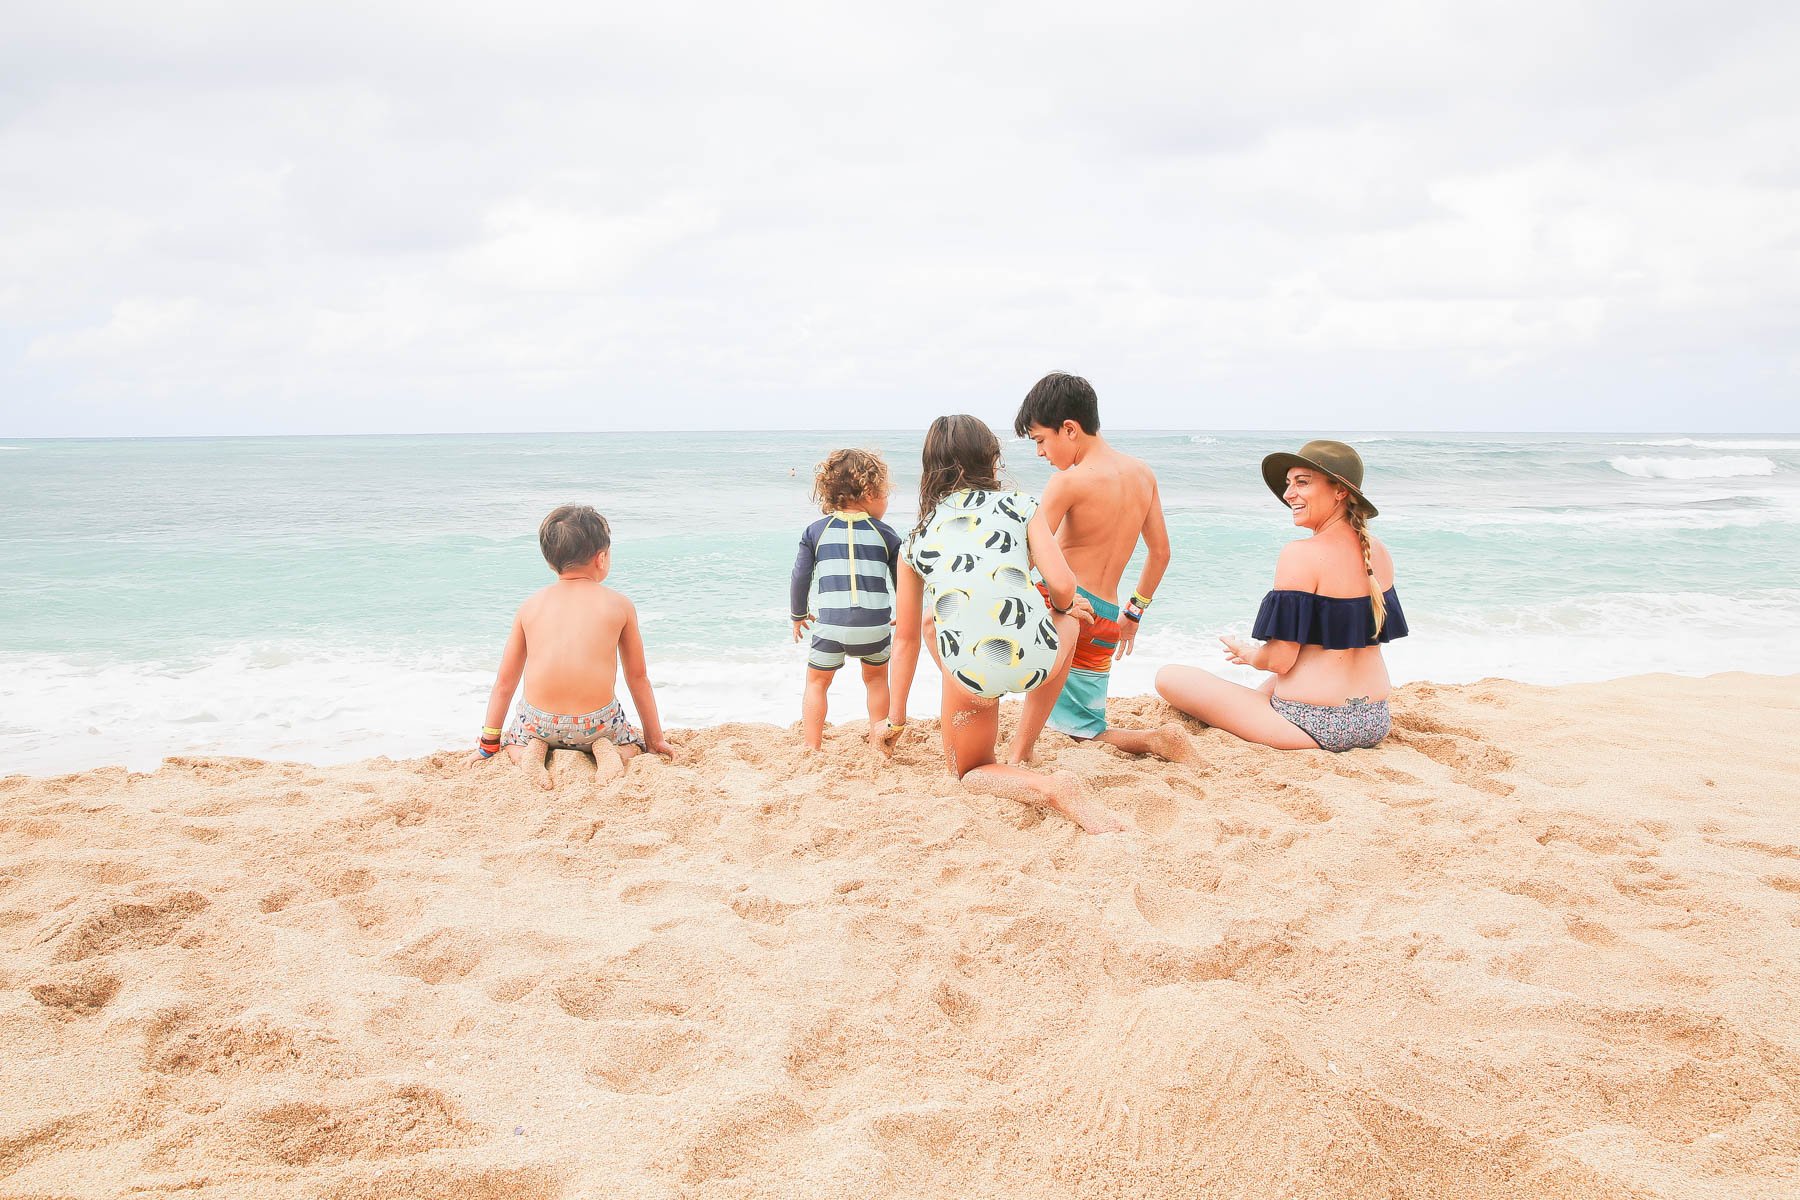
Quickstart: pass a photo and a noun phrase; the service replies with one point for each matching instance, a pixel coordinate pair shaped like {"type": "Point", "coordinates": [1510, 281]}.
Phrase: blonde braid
{"type": "Point", "coordinates": [1377, 602]}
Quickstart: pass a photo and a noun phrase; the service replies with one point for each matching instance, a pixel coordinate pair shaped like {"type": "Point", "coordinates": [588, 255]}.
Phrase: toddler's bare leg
{"type": "Point", "coordinates": [1170, 742]}
{"type": "Point", "coordinates": [533, 760]}
{"type": "Point", "coordinates": [875, 686]}
{"type": "Point", "coordinates": [609, 760]}
{"type": "Point", "coordinates": [812, 706]}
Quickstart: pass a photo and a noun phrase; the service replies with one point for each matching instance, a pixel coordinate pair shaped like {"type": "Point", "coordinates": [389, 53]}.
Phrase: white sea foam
{"type": "Point", "coordinates": [1200, 439]}
{"type": "Point", "coordinates": [1693, 468]}
{"type": "Point", "coordinates": [275, 701]}
{"type": "Point", "coordinates": [1712, 444]}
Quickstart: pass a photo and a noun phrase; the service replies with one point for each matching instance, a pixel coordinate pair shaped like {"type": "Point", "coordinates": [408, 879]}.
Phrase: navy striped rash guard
{"type": "Point", "coordinates": [849, 559]}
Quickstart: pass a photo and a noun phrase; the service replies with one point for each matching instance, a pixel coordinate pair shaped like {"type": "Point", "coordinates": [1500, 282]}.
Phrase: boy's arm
{"type": "Point", "coordinates": [637, 679]}
{"type": "Point", "coordinates": [1155, 533]}
{"type": "Point", "coordinates": [506, 682]}
{"type": "Point", "coordinates": [800, 582]}
{"type": "Point", "coordinates": [909, 615]}
{"type": "Point", "coordinates": [1058, 498]}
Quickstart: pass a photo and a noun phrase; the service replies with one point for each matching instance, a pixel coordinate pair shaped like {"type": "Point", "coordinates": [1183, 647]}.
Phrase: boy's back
{"type": "Point", "coordinates": [572, 630]}
{"type": "Point", "coordinates": [1103, 503]}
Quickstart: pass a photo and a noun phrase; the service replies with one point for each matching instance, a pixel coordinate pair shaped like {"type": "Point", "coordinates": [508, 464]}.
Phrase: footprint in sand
{"type": "Point", "coordinates": [127, 925]}
{"type": "Point", "coordinates": [76, 993]}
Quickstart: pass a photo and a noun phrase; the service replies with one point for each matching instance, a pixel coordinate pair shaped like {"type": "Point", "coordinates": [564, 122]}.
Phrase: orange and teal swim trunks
{"type": "Point", "coordinates": [1080, 710]}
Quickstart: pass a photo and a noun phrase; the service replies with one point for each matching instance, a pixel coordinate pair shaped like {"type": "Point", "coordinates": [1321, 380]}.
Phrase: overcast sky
{"type": "Point", "coordinates": [243, 217]}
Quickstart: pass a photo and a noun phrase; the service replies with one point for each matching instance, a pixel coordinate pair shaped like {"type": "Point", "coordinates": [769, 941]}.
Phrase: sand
{"type": "Point", "coordinates": [1543, 942]}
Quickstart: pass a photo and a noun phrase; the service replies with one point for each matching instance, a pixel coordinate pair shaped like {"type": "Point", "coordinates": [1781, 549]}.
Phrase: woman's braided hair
{"type": "Point", "coordinates": [1353, 509]}
{"type": "Point", "coordinates": [847, 477]}
{"type": "Point", "coordinates": [960, 452]}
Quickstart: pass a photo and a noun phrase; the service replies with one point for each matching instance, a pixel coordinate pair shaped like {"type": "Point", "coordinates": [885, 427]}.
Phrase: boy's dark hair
{"type": "Point", "coordinates": [572, 535]}
{"type": "Point", "coordinates": [1056, 398]}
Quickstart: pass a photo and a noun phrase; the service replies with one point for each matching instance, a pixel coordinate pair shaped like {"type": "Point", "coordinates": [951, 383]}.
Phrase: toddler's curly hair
{"type": "Point", "coordinates": [847, 476]}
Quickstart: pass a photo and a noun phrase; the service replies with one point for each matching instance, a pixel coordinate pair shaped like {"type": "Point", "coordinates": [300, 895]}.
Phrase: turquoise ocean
{"type": "Point", "coordinates": [333, 598]}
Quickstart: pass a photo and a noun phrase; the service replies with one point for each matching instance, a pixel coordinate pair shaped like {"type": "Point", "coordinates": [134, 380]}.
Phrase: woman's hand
{"type": "Point", "coordinates": [1240, 652]}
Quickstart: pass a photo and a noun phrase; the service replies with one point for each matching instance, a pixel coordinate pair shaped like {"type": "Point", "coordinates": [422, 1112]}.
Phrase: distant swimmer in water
{"type": "Point", "coordinates": [1322, 626]}
{"type": "Point", "coordinates": [566, 642]}
{"type": "Point", "coordinates": [967, 565]}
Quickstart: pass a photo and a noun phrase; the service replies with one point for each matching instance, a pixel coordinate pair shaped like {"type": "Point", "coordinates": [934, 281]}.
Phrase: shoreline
{"type": "Point", "coordinates": [1539, 940]}
{"type": "Point", "coordinates": [921, 713]}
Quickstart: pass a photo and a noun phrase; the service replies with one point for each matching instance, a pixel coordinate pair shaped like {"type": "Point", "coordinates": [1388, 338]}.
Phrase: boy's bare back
{"type": "Point", "coordinates": [572, 632]}
{"type": "Point", "coordinates": [1105, 503]}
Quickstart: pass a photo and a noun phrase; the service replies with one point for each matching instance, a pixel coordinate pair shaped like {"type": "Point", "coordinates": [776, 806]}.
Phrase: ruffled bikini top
{"type": "Point", "coordinates": [1334, 622]}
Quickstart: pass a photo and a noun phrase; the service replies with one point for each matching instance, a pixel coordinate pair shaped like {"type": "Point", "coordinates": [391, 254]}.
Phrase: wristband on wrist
{"type": "Point", "coordinates": [1140, 601]}
{"type": "Point", "coordinates": [490, 730]}
{"type": "Point", "coordinates": [485, 752]}
{"type": "Point", "coordinates": [1063, 612]}
{"type": "Point", "coordinates": [1134, 614]}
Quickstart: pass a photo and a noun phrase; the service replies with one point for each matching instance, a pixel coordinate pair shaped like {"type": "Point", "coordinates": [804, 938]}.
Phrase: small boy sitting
{"type": "Point", "coordinates": [850, 554]}
{"type": "Point", "coordinates": [567, 641]}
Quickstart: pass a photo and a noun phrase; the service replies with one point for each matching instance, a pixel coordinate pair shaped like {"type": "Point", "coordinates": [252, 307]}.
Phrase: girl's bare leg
{"type": "Point", "coordinates": [971, 727]}
{"type": "Point", "coordinates": [1230, 706]}
{"type": "Point", "coordinates": [1042, 698]}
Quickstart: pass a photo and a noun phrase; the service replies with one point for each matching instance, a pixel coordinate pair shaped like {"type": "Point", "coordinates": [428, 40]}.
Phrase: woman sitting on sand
{"type": "Point", "coordinates": [968, 562]}
{"type": "Point", "coordinates": [1321, 628]}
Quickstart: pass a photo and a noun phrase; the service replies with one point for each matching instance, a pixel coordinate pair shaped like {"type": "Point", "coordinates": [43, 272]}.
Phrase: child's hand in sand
{"type": "Point", "coordinates": [666, 750]}
{"type": "Point", "coordinates": [475, 759]}
{"type": "Point", "coordinates": [801, 625]}
{"type": "Point", "coordinates": [888, 738]}
{"type": "Point", "coordinates": [1238, 652]}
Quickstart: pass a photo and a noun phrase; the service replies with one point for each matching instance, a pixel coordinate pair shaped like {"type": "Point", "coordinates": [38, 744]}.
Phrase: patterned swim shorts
{"type": "Point", "coordinates": [1355, 725]}
{"type": "Point", "coordinates": [573, 733]}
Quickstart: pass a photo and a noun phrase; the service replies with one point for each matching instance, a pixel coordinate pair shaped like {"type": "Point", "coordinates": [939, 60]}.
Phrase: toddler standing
{"type": "Point", "coordinates": [847, 558]}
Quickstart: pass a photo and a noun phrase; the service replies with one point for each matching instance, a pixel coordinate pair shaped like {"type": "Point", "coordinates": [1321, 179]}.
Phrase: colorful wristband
{"type": "Point", "coordinates": [1132, 614]}
{"type": "Point", "coordinates": [492, 730]}
{"type": "Point", "coordinates": [1141, 601]}
{"type": "Point", "coordinates": [485, 752]}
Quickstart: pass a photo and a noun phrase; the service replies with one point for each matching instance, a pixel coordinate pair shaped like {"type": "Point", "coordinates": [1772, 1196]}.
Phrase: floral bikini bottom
{"type": "Point", "coordinates": [573, 733]}
{"type": "Point", "coordinates": [1354, 725]}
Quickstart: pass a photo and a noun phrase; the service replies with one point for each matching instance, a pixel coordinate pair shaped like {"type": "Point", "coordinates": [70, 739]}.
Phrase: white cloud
{"type": "Point", "coordinates": [229, 219]}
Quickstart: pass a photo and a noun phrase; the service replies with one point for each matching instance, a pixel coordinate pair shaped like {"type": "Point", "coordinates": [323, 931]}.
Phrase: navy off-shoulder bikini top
{"type": "Point", "coordinates": [1334, 622]}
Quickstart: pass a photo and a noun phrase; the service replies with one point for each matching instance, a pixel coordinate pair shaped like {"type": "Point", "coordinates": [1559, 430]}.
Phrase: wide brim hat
{"type": "Point", "coordinates": [1336, 459]}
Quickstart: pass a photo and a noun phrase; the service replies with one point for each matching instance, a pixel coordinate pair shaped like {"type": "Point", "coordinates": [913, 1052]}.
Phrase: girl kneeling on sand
{"type": "Point", "coordinates": [968, 566]}
{"type": "Point", "coordinates": [1321, 628]}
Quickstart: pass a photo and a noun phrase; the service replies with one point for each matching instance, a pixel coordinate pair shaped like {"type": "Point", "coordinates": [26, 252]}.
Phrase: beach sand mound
{"type": "Point", "coordinates": [1541, 943]}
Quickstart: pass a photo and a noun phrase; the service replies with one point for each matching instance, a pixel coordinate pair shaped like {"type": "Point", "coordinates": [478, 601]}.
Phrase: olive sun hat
{"type": "Point", "coordinates": [1335, 459]}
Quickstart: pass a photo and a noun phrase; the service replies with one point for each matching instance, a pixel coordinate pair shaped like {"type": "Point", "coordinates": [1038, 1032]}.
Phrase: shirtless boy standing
{"type": "Point", "coordinates": [1099, 502]}
{"type": "Point", "coordinates": [567, 642]}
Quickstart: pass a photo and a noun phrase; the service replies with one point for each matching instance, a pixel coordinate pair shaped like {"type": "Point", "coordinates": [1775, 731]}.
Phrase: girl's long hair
{"type": "Point", "coordinates": [960, 452]}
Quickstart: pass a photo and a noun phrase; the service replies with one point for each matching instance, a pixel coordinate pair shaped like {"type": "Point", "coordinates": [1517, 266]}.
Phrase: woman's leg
{"type": "Point", "coordinates": [971, 726]}
{"type": "Point", "coordinates": [1230, 706]}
